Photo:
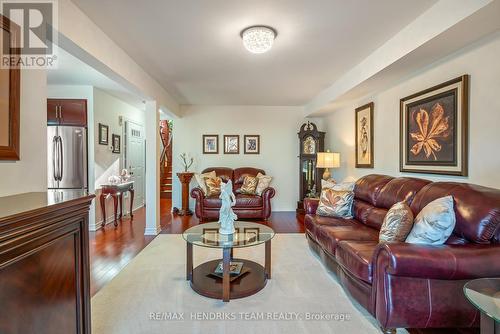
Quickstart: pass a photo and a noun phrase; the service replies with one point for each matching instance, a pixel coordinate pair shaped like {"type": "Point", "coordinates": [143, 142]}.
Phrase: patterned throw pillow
{"type": "Point", "coordinates": [264, 182]}
{"type": "Point", "coordinates": [343, 186]}
{"type": "Point", "coordinates": [397, 223]}
{"type": "Point", "coordinates": [249, 185]}
{"type": "Point", "coordinates": [200, 178]}
{"type": "Point", "coordinates": [335, 203]}
{"type": "Point", "coordinates": [434, 224]}
{"type": "Point", "coordinates": [213, 185]}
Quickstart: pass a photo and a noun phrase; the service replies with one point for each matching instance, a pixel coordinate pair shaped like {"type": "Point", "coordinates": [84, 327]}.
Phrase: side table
{"type": "Point", "coordinates": [116, 192]}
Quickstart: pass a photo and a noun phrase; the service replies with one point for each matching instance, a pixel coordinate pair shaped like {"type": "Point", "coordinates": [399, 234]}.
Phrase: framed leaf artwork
{"type": "Point", "coordinates": [434, 129]}
{"type": "Point", "coordinates": [364, 136]}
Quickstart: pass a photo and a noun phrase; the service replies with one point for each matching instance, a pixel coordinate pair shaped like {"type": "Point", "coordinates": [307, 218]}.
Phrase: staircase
{"type": "Point", "coordinates": [166, 161]}
{"type": "Point", "coordinates": [166, 181]}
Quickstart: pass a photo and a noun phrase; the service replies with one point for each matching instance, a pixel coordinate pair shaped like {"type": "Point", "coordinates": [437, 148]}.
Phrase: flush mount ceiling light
{"type": "Point", "coordinates": [258, 39]}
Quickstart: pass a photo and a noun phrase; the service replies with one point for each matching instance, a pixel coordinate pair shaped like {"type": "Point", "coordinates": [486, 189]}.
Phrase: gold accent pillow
{"type": "Point", "coordinates": [200, 178]}
{"type": "Point", "coordinates": [335, 203]}
{"type": "Point", "coordinates": [249, 185]}
{"type": "Point", "coordinates": [213, 185]}
{"type": "Point", "coordinates": [264, 182]}
{"type": "Point", "coordinates": [397, 223]}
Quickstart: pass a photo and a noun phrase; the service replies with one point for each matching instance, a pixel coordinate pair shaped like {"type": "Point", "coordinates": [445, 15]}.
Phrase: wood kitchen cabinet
{"type": "Point", "coordinates": [44, 263]}
{"type": "Point", "coordinates": [72, 112]}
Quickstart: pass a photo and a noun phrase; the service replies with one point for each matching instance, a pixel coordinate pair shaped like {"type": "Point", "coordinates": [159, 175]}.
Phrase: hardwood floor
{"type": "Point", "coordinates": [111, 249]}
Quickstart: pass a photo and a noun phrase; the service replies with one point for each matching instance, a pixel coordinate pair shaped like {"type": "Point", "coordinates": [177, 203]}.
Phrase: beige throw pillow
{"type": "Point", "coordinates": [397, 223]}
{"type": "Point", "coordinates": [263, 182]}
{"type": "Point", "coordinates": [249, 185]}
{"type": "Point", "coordinates": [200, 178]}
{"type": "Point", "coordinates": [434, 224]}
{"type": "Point", "coordinates": [213, 185]}
{"type": "Point", "coordinates": [335, 203]}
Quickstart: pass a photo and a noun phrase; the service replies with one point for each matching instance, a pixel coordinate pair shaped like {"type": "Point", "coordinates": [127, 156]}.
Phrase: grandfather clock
{"type": "Point", "coordinates": [311, 141]}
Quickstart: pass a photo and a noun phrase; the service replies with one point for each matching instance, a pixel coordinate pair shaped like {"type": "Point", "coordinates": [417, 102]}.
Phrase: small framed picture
{"type": "Point", "coordinates": [251, 234]}
{"type": "Point", "coordinates": [103, 134]}
{"type": "Point", "coordinates": [364, 136]}
{"type": "Point", "coordinates": [252, 144]}
{"type": "Point", "coordinates": [210, 144]}
{"type": "Point", "coordinates": [231, 144]}
{"type": "Point", "coordinates": [211, 236]}
{"type": "Point", "coordinates": [116, 143]}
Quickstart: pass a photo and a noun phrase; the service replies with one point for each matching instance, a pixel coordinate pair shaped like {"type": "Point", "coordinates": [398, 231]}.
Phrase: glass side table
{"type": "Point", "coordinates": [484, 294]}
{"type": "Point", "coordinates": [225, 287]}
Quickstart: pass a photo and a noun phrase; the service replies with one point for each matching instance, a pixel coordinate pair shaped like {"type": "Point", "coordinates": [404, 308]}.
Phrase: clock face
{"type": "Point", "coordinates": [309, 145]}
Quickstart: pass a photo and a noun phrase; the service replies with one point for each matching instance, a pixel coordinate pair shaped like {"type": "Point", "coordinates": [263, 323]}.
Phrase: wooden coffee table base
{"type": "Point", "coordinates": [244, 286]}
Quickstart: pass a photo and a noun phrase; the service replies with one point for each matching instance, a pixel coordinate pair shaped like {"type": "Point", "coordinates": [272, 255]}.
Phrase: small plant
{"type": "Point", "coordinates": [185, 158]}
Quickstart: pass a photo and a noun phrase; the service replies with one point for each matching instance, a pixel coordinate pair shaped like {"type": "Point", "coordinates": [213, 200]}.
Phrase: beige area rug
{"type": "Point", "coordinates": [151, 295]}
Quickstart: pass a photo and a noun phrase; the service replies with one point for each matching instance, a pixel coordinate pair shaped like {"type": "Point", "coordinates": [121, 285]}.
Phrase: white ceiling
{"type": "Point", "coordinates": [73, 71]}
{"type": "Point", "coordinates": [194, 50]}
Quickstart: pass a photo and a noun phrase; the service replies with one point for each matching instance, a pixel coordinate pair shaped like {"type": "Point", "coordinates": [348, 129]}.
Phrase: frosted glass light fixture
{"type": "Point", "coordinates": [258, 39]}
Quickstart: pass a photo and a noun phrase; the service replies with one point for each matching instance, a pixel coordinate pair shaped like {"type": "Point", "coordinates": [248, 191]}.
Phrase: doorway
{"type": "Point", "coordinates": [134, 159]}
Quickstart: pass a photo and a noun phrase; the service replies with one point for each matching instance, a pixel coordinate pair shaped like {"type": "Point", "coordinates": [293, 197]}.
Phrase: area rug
{"type": "Point", "coordinates": [151, 295]}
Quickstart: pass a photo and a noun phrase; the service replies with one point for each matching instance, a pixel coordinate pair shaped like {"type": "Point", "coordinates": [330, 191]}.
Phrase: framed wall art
{"type": "Point", "coordinates": [103, 134]}
{"type": "Point", "coordinates": [364, 136]}
{"type": "Point", "coordinates": [116, 143]}
{"type": "Point", "coordinates": [10, 88]}
{"type": "Point", "coordinates": [210, 144]}
{"type": "Point", "coordinates": [252, 144]}
{"type": "Point", "coordinates": [434, 129]}
{"type": "Point", "coordinates": [231, 144]}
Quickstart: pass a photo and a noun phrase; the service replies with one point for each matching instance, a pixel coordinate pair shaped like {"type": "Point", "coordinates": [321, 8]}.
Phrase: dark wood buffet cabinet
{"type": "Point", "coordinates": [44, 263]}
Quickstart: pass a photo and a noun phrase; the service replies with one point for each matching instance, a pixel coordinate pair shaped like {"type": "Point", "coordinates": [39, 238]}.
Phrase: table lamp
{"type": "Point", "coordinates": [328, 160]}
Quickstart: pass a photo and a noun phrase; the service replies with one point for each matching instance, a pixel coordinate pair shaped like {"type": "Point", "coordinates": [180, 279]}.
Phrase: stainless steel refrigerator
{"type": "Point", "coordinates": [67, 157]}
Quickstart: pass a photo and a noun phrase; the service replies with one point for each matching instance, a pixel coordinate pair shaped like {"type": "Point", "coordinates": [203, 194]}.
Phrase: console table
{"type": "Point", "coordinates": [116, 192]}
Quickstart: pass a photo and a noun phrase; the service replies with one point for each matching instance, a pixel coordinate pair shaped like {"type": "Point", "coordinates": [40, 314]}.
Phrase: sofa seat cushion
{"type": "Point", "coordinates": [356, 257]}
{"type": "Point", "coordinates": [329, 236]}
{"type": "Point", "coordinates": [242, 201]}
{"type": "Point", "coordinates": [248, 201]}
{"type": "Point", "coordinates": [312, 222]}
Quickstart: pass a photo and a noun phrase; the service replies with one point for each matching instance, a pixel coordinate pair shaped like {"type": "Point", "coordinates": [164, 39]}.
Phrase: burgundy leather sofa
{"type": "Point", "coordinates": [247, 206]}
{"type": "Point", "coordinates": [408, 285]}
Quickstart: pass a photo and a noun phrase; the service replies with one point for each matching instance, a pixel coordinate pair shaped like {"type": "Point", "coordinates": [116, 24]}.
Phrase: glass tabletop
{"type": "Point", "coordinates": [247, 234]}
{"type": "Point", "coordinates": [484, 293]}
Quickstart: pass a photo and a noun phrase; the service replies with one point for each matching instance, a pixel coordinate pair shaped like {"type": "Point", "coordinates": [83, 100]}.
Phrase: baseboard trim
{"type": "Point", "coordinates": [111, 219]}
{"type": "Point", "coordinates": [152, 230]}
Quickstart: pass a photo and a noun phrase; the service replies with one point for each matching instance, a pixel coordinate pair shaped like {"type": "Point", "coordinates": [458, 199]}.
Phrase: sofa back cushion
{"type": "Point", "coordinates": [398, 190]}
{"type": "Point", "coordinates": [477, 209]}
{"type": "Point", "coordinates": [239, 175]}
{"type": "Point", "coordinates": [366, 192]}
{"type": "Point", "coordinates": [223, 172]}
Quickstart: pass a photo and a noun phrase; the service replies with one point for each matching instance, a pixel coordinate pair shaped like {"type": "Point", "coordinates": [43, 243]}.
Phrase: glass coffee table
{"type": "Point", "coordinates": [484, 294]}
{"type": "Point", "coordinates": [253, 276]}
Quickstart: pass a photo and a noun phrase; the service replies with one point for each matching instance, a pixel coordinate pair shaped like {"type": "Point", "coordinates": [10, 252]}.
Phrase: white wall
{"type": "Point", "coordinates": [277, 127]}
{"type": "Point", "coordinates": [481, 63]}
{"type": "Point", "coordinates": [29, 173]}
{"type": "Point", "coordinates": [107, 110]}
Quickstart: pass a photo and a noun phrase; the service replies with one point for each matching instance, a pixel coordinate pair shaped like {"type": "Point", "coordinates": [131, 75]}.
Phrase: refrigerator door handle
{"type": "Point", "coordinates": [54, 154]}
{"type": "Point", "coordinates": [61, 159]}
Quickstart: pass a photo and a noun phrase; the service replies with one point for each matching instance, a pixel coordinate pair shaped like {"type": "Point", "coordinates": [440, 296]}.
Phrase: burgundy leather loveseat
{"type": "Point", "coordinates": [247, 206]}
{"type": "Point", "coordinates": [407, 285]}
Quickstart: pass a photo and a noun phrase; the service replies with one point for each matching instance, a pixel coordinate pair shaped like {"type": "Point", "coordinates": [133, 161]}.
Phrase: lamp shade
{"type": "Point", "coordinates": [328, 160]}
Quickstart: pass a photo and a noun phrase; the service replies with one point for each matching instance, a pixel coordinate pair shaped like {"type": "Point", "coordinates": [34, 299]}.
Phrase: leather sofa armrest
{"type": "Point", "coordinates": [448, 262]}
{"type": "Point", "coordinates": [268, 193]}
{"type": "Point", "coordinates": [311, 205]}
{"type": "Point", "coordinates": [197, 193]}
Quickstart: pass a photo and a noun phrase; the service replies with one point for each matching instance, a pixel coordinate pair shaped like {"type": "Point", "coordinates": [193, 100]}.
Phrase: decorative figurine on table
{"type": "Point", "coordinates": [226, 213]}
